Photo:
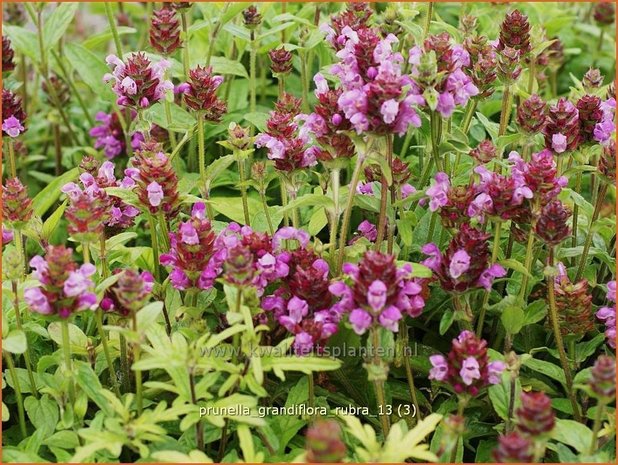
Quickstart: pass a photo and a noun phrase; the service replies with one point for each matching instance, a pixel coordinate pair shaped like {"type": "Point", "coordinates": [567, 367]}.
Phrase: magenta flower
{"type": "Point", "coordinates": [467, 368]}
{"type": "Point", "coordinates": [7, 235]}
{"type": "Point", "coordinates": [559, 143]}
{"type": "Point", "coordinates": [608, 315]}
{"type": "Point", "coordinates": [438, 192]}
{"type": "Point", "coordinates": [379, 293]}
{"type": "Point", "coordinates": [63, 288]}
{"type": "Point", "coordinates": [109, 135]}
{"type": "Point", "coordinates": [12, 126]}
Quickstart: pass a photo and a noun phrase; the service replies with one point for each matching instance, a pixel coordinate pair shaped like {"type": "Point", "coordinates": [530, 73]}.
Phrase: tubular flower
{"type": "Point", "coordinates": [63, 288]}
{"type": "Point", "coordinates": [605, 130]}
{"type": "Point", "coordinates": [607, 162]}
{"type": "Point", "coordinates": [355, 17]}
{"type": "Point", "coordinates": [109, 135]}
{"type": "Point", "coordinates": [13, 115]}
{"type": "Point", "coordinates": [154, 180]}
{"type": "Point", "coordinates": [466, 368]}
{"type": "Point", "coordinates": [191, 248]}
{"type": "Point", "coordinates": [535, 417]}
{"type": "Point", "coordinates": [327, 125]}
{"type": "Point", "coordinates": [286, 144]}
{"type": "Point", "coordinates": [608, 315]}
{"type": "Point", "coordinates": [375, 95]}
{"type": "Point", "coordinates": [562, 120]}
{"type": "Point", "coordinates": [200, 93]}
{"type": "Point", "coordinates": [7, 55]}
{"type": "Point", "coordinates": [465, 263]}
{"type": "Point", "coordinates": [165, 31]}
{"type": "Point", "coordinates": [129, 293]}
{"type": "Point", "coordinates": [138, 83]}
{"type": "Point", "coordinates": [302, 304]}
{"type": "Point", "coordinates": [16, 205]}
{"type": "Point", "coordinates": [438, 73]}
{"type": "Point", "coordinates": [380, 293]}
{"type": "Point", "coordinates": [513, 448]}
{"type": "Point", "coordinates": [451, 201]}
{"type": "Point", "coordinates": [539, 175]}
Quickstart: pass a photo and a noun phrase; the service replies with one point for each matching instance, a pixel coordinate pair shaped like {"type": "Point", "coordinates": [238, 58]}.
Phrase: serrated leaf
{"type": "Point", "coordinates": [57, 23]}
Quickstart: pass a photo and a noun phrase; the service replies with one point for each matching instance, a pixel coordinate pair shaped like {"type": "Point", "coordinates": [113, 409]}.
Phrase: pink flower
{"type": "Point", "coordinates": [460, 263]}
{"type": "Point", "coordinates": [389, 318]}
{"type": "Point", "coordinates": [438, 192]}
{"type": "Point", "coordinates": [470, 371]}
{"type": "Point", "coordinates": [155, 194]}
{"type": "Point", "coordinates": [559, 143]}
{"type": "Point", "coordinates": [12, 126]}
{"type": "Point", "coordinates": [376, 297]}
{"type": "Point", "coordinates": [79, 281]}
{"type": "Point", "coordinates": [494, 372]}
{"type": "Point", "coordinates": [439, 368]}
{"type": "Point", "coordinates": [360, 321]}
{"type": "Point", "coordinates": [446, 104]}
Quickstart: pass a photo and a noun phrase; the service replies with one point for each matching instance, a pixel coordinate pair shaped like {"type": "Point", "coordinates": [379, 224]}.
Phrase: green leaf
{"type": "Point", "coordinates": [446, 321]}
{"type": "Point", "coordinates": [15, 342]}
{"type": "Point", "coordinates": [500, 395]}
{"type": "Point", "coordinates": [90, 68]}
{"type": "Point", "coordinates": [535, 312]}
{"type": "Point", "coordinates": [77, 338]}
{"type": "Point", "coordinates": [43, 413]}
{"type": "Point", "coordinates": [181, 120]}
{"type": "Point", "coordinates": [515, 265]}
{"type": "Point", "coordinates": [23, 41]}
{"type": "Point", "coordinates": [50, 224]}
{"type": "Point", "coordinates": [512, 319]}
{"type": "Point", "coordinates": [104, 37]}
{"type": "Point", "coordinates": [572, 433]}
{"type": "Point", "coordinates": [46, 198]}
{"type": "Point", "coordinates": [57, 23]}
{"type": "Point", "coordinates": [148, 315]}
{"type": "Point", "coordinates": [222, 65]}
{"type": "Point", "coordinates": [258, 119]}
{"type": "Point", "coordinates": [309, 200]}
{"type": "Point", "coordinates": [546, 368]}
{"type": "Point", "coordinates": [89, 382]}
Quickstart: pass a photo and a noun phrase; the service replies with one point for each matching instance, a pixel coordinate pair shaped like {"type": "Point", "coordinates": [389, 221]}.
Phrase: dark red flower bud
{"type": "Point", "coordinates": [60, 90]}
{"type": "Point", "coordinates": [7, 55]}
{"type": "Point", "coordinates": [468, 24]}
{"type": "Point", "coordinates": [454, 214]}
{"type": "Point", "coordinates": [280, 60]}
{"type": "Point", "coordinates": [86, 215]}
{"type": "Point", "coordinates": [133, 290]}
{"type": "Point", "coordinates": [552, 226]}
{"type": "Point", "coordinates": [513, 448]}
{"type": "Point", "coordinates": [400, 172]}
{"type": "Point", "coordinates": [12, 107]}
{"type": "Point", "coordinates": [593, 79]}
{"type": "Point", "coordinates": [563, 118]}
{"type": "Point", "coordinates": [604, 13]}
{"type": "Point", "coordinates": [603, 378]}
{"type": "Point", "coordinates": [607, 162]}
{"type": "Point", "coordinates": [200, 93]}
{"type": "Point", "coordinates": [90, 165]}
{"type": "Point", "coordinates": [355, 16]}
{"type": "Point", "coordinates": [574, 304]}
{"type": "Point", "coordinates": [16, 205]}
{"type": "Point", "coordinates": [531, 114]}
{"type": "Point", "coordinates": [376, 265]}
{"type": "Point", "coordinates": [515, 32]}
{"type": "Point", "coordinates": [251, 17]}
{"type": "Point", "coordinates": [165, 31]}
{"type": "Point", "coordinates": [324, 443]}
{"type": "Point", "coordinates": [484, 152]}
{"type": "Point", "coordinates": [508, 64]}
{"type": "Point", "coordinates": [590, 113]}
{"type": "Point", "coordinates": [535, 416]}
{"type": "Point", "coordinates": [483, 64]}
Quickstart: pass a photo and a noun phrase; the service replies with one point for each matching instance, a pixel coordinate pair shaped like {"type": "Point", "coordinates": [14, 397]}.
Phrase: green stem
{"type": "Point", "coordinates": [527, 264]}
{"type": "Point", "coordinates": [66, 349]}
{"type": "Point", "coordinates": [138, 373]}
{"type": "Point", "coordinates": [553, 316]}
{"type": "Point", "coordinates": [112, 26]}
{"type": "Point", "coordinates": [155, 247]}
{"type": "Point", "coordinates": [428, 18]}
{"type": "Point", "coordinates": [494, 257]}
{"type": "Point", "coordinates": [27, 358]}
{"type": "Point", "coordinates": [467, 120]}
{"type": "Point", "coordinates": [108, 358]}
{"type": "Point", "coordinates": [432, 227]}
{"type": "Point", "coordinates": [168, 118]}
{"type": "Point", "coordinates": [252, 81]}
{"type": "Point", "coordinates": [12, 162]}
{"type": "Point", "coordinates": [597, 209]}
{"type": "Point", "coordinates": [505, 112]}
{"type": "Point", "coordinates": [199, 427]}
{"type": "Point", "coordinates": [243, 190]}
{"type": "Point", "coordinates": [18, 394]}
{"type": "Point", "coordinates": [185, 45]}
{"type": "Point", "coordinates": [379, 384]}
{"type": "Point", "coordinates": [461, 406]}
{"type": "Point", "coordinates": [436, 137]}
{"type": "Point", "coordinates": [403, 328]}
{"type": "Point", "coordinates": [532, 72]}
{"type": "Point", "coordinates": [335, 176]}
{"type": "Point", "coordinates": [74, 90]}
{"type": "Point", "coordinates": [596, 427]}
{"type": "Point", "coordinates": [201, 151]}
{"type": "Point", "coordinates": [310, 392]}
{"type": "Point", "coordinates": [347, 213]}
{"type": "Point", "coordinates": [578, 188]}
{"type": "Point", "coordinates": [271, 230]}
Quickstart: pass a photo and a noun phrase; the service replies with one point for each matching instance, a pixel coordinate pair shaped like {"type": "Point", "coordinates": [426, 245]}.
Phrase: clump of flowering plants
{"type": "Point", "coordinates": [311, 232]}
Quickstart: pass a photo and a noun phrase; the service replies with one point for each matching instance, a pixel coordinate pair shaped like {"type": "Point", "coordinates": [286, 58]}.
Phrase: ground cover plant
{"type": "Point", "coordinates": [315, 232]}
